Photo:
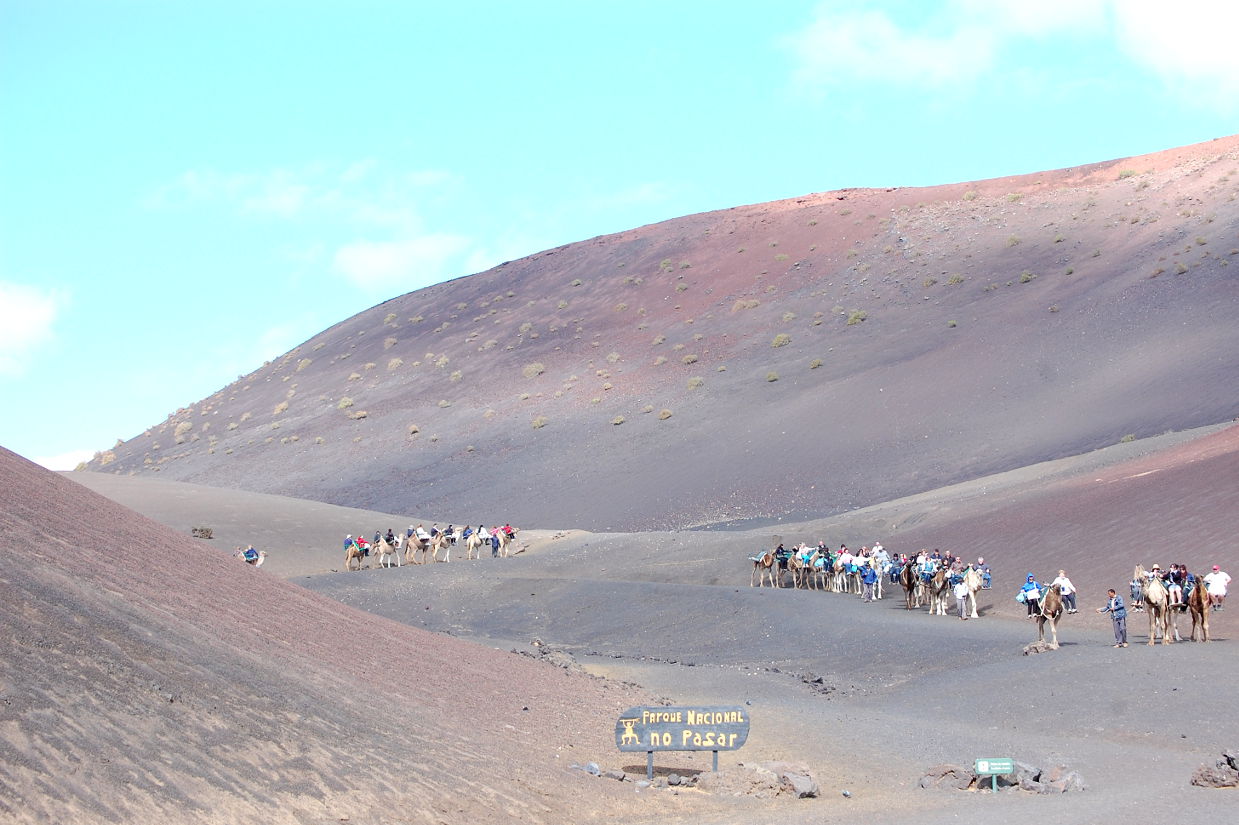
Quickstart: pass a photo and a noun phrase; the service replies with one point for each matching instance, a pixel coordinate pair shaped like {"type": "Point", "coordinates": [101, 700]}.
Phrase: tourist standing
{"type": "Point", "coordinates": [1118, 617]}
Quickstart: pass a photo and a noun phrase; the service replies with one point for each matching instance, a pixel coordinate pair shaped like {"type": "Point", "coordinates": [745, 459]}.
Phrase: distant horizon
{"type": "Point", "coordinates": [174, 220]}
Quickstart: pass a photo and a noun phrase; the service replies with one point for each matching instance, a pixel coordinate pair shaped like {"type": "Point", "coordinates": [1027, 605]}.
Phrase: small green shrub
{"type": "Point", "coordinates": [539, 422]}
{"type": "Point", "coordinates": [772, 376]}
{"type": "Point", "coordinates": [856, 316]}
{"type": "Point", "coordinates": [344, 403]}
{"type": "Point", "coordinates": [781, 340]}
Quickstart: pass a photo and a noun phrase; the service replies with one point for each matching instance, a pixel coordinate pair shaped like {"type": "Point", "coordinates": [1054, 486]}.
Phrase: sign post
{"type": "Point", "coordinates": [660, 728]}
{"type": "Point", "coordinates": [994, 767]}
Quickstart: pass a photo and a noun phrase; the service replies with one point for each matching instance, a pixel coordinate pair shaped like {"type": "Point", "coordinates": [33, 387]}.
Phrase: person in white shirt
{"type": "Point", "coordinates": [1068, 590]}
{"type": "Point", "coordinates": [1215, 585]}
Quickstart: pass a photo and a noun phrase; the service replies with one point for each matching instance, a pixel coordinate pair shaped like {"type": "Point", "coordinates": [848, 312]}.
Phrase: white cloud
{"type": "Point", "coordinates": [1189, 46]}
{"type": "Point", "coordinates": [871, 46]}
{"type": "Point", "coordinates": [64, 461]}
{"type": "Point", "coordinates": [407, 264]}
{"type": "Point", "coordinates": [27, 317]}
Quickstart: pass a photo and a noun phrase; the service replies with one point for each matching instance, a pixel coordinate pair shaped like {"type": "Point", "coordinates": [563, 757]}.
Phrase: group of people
{"type": "Point", "coordinates": [870, 563]}
{"type": "Point", "coordinates": [1178, 581]}
{"type": "Point", "coordinates": [419, 533]}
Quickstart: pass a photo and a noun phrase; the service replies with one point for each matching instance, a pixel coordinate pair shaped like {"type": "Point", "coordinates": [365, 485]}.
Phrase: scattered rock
{"type": "Point", "coordinates": [1026, 777]}
{"type": "Point", "coordinates": [618, 776]}
{"type": "Point", "coordinates": [1222, 774]}
{"type": "Point", "coordinates": [1038, 647]}
{"type": "Point", "coordinates": [953, 777]}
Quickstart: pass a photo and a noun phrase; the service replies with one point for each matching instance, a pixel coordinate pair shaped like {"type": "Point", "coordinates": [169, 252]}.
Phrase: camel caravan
{"type": "Point", "coordinates": [1163, 596]}
{"type": "Point", "coordinates": [931, 579]}
{"type": "Point", "coordinates": [418, 545]}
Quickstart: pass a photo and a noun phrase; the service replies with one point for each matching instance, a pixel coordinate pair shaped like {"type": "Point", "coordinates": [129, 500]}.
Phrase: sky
{"type": "Point", "coordinates": [190, 189]}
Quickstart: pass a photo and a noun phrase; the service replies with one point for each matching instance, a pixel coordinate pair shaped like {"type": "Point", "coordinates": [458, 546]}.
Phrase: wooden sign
{"type": "Point", "coordinates": [682, 729]}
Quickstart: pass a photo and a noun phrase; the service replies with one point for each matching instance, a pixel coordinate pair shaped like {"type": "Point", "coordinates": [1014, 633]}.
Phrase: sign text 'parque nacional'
{"type": "Point", "coordinates": [682, 729]}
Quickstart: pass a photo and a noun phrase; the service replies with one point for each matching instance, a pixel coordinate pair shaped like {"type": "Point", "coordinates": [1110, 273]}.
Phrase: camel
{"type": "Point", "coordinates": [1198, 606]}
{"type": "Point", "coordinates": [473, 544]}
{"type": "Point", "coordinates": [796, 566]}
{"type": "Point", "coordinates": [939, 588]}
{"type": "Point", "coordinates": [764, 565]}
{"type": "Point", "coordinates": [412, 546]}
{"type": "Point", "coordinates": [386, 553]}
{"type": "Point", "coordinates": [974, 582]}
{"type": "Point", "coordinates": [441, 542]}
{"type": "Point", "coordinates": [911, 586]}
{"type": "Point", "coordinates": [1156, 604]}
{"type": "Point", "coordinates": [353, 552]}
{"type": "Point", "coordinates": [1051, 611]}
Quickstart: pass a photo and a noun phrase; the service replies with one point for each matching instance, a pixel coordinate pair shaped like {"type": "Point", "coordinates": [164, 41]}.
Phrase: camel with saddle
{"type": "Point", "coordinates": [1051, 611]}
{"type": "Point", "coordinates": [353, 553]}
{"type": "Point", "coordinates": [938, 589]}
{"type": "Point", "coordinates": [1198, 607]}
{"type": "Point", "coordinates": [974, 582]}
{"type": "Point", "coordinates": [910, 580]}
{"type": "Point", "coordinates": [764, 566]}
{"type": "Point", "coordinates": [385, 553]}
{"type": "Point", "coordinates": [1156, 603]}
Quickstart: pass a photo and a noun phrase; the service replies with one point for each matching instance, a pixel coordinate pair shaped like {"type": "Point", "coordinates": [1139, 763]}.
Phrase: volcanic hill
{"type": "Point", "coordinates": [786, 360]}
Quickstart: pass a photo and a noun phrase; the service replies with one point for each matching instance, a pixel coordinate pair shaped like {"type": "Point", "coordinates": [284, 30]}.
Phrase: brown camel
{"type": "Point", "coordinates": [763, 566]}
{"type": "Point", "coordinates": [1051, 611]}
{"type": "Point", "coordinates": [414, 545]}
{"type": "Point", "coordinates": [939, 588]}
{"type": "Point", "coordinates": [911, 584]}
{"type": "Point", "coordinates": [353, 553]}
{"type": "Point", "coordinates": [1198, 606]}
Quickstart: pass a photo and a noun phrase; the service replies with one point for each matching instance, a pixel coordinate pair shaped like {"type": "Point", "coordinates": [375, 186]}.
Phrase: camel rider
{"type": "Point", "coordinates": [926, 567]}
{"type": "Point", "coordinates": [421, 534]}
{"type": "Point", "coordinates": [986, 578]}
{"type": "Point", "coordinates": [250, 554]}
{"type": "Point", "coordinates": [450, 532]}
{"type": "Point", "coordinates": [1031, 595]}
{"type": "Point", "coordinates": [390, 537]}
{"type": "Point", "coordinates": [408, 534]}
{"type": "Point", "coordinates": [348, 542]}
{"type": "Point", "coordinates": [468, 532]}
{"type": "Point", "coordinates": [508, 531]}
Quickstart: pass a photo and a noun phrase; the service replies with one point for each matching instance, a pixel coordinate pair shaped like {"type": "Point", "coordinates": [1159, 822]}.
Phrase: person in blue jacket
{"type": "Point", "coordinates": [1118, 617]}
{"type": "Point", "coordinates": [1031, 592]}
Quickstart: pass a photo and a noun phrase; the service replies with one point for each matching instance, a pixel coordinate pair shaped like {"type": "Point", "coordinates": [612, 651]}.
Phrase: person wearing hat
{"type": "Point", "coordinates": [1215, 585]}
{"type": "Point", "coordinates": [987, 578]}
{"type": "Point", "coordinates": [348, 542]}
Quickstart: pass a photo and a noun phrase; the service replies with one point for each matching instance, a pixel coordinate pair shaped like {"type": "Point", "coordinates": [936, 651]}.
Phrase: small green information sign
{"type": "Point", "coordinates": [994, 767]}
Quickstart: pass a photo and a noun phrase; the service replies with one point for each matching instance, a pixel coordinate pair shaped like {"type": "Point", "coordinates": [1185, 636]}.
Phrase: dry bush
{"type": "Point", "coordinates": [689, 359]}
{"type": "Point", "coordinates": [772, 376]}
{"type": "Point", "coordinates": [180, 431]}
{"type": "Point", "coordinates": [664, 415]}
{"type": "Point", "coordinates": [356, 414]}
{"type": "Point", "coordinates": [354, 376]}
{"type": "Point", "coordinates": [344, 403]}
{"type": "Point", "coordinates": [280, 407]}
{"type": "Point", "coordinates": [695, 382]}
{"type": "Point", "coordinates": [389, 342]}
{"type": "Point", "coordinates": [395, 364]}
{"type": "Point", "coordinates": [617, 420]}
{"type": "Point", "coordinates": [533, 370]}
{"type": "Point", "coordinates": [539, 422]}
{"type": "Point", "coordinates": [303, 363]}
{"type": "Point", "coordinates": [781, 340]}
{"type": "Point", "coordinates": [815, 363]}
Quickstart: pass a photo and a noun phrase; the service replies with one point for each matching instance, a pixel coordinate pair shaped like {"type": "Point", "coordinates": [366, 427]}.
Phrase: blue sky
{"type": "Point", "coordinates": [189, 189]}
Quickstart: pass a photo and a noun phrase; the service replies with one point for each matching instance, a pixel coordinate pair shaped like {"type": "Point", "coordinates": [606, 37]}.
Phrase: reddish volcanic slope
{"type": "Point", "coordinates": [148, 678]}
{"type": "Point", "coordinates": [783, 360]}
